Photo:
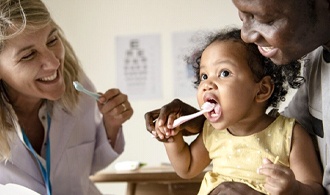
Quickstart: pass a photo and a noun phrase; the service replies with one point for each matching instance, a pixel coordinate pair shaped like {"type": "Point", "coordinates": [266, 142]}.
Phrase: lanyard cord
{"type": "Point", "coordinates": [45, 172]}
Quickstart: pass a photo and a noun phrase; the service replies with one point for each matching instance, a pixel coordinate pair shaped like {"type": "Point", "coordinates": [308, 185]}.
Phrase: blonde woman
{"type": "Point", "coordinates": [51, 137]}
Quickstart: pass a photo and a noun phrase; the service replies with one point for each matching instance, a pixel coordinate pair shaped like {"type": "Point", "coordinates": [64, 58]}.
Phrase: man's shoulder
{"type": "Point", "coordinates": [313, 57]}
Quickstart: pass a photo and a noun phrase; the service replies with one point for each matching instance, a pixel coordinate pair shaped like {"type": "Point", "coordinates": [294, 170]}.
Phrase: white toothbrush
{"type": "Point", "coordinates": [206, 107]}
{"type": "Point", "coordinates": [81, 88]}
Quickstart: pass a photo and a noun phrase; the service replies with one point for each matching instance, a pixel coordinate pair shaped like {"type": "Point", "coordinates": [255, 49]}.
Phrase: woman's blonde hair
{"type": "Point", "coordinates": [15, 17]}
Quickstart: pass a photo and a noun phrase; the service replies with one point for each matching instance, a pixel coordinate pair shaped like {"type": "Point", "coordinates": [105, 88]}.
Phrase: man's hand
{"type": "Point", "coordinates": [165, 117]}
{"type": "Point", "coordinates": [234, 188]}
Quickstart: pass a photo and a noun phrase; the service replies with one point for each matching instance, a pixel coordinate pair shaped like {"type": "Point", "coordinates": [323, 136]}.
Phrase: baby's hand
{"type": "Point", "coordinates": [279, 179]}
{"type": "Point", "coordinates": [167, 114]}
{"type": "Point", "coordinates": [163, 132]}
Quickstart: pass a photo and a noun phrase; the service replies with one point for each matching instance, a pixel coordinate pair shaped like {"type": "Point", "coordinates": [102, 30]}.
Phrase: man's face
{"type": "Point", "coordinates": [284, 30]}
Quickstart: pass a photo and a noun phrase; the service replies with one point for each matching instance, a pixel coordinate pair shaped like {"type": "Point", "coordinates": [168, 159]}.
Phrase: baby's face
{"type": "Point", "coordinates": [227, 80]}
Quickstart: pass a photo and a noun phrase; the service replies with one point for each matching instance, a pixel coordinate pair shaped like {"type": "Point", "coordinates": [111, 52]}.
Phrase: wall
{"type": "Point", "coordinates": [92, 25]}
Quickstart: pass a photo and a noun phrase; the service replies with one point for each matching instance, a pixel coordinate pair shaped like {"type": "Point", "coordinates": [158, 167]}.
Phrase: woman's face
{"type": "Point", "coordinates": [284, 30]}
{"type": "Point", "coordinates": [31, 65]}
{"type": "Point", "coordinates": [227, 80]}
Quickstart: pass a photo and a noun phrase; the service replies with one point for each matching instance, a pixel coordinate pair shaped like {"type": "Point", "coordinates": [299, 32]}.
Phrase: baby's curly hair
{"type": "Point", "coordinates": [282, 75]}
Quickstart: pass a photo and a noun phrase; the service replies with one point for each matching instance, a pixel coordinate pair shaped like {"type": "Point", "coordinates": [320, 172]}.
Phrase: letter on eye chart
{"type": "Point", "coordinates": [139, 70]}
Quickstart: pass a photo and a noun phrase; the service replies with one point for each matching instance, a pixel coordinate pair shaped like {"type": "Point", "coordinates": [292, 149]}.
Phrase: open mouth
{"type": "Point", "coordinates": [49, 78]}
{"type": "Point", "coordinates": [267, 49]}
{"type": "Point", "coordinates": [216, 112]}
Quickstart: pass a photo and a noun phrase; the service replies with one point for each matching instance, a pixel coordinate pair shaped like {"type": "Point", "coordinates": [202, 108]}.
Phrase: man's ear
{"type": "Point", "coordinates": [266, 88]}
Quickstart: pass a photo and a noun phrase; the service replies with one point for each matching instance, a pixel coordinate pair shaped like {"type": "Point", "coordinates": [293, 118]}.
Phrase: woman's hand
{"type": "Point", "coordinates": [159, 122]}
{"type": "Point", "coordinates": [116, 109]}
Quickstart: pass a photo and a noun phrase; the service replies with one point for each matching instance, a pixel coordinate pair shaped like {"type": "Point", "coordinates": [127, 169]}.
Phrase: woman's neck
{"type": "Point", "coordinates": [28, 118]}
{"type": "Point", "coordinates": [27, 112]}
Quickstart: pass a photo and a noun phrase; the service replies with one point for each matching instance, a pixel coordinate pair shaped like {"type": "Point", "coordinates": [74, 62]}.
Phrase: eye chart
{"type": "Point", "coordinates": [139, 66]}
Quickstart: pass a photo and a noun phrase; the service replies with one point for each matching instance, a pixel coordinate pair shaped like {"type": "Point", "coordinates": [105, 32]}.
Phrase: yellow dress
{"type": "Point", "coordinates": [237, 158]}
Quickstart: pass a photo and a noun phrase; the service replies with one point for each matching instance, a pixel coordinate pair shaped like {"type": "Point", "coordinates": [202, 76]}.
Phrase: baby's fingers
{"type": "Point", "coordinates": [157, 132]}
{"type": "Point", "coordinates": [273, 169]}
{"type": "Point", "coordinates": [161, 130]}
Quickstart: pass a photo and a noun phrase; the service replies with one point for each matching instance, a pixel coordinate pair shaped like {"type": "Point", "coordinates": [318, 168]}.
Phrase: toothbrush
{"type": "Point", "coordinates": [206, 107]}
{"type": "Point", "coordinates": [81, 88]}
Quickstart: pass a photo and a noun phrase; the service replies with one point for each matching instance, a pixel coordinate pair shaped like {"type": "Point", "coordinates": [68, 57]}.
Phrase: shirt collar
{"type": "Point", "coordinates": [326, 55]}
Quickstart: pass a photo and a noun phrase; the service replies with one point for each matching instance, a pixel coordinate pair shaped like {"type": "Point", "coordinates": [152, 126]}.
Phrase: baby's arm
{"type": "Point", "coordinates": [187, 160]}
{"type": "Point", "coordinates": [304, 175]}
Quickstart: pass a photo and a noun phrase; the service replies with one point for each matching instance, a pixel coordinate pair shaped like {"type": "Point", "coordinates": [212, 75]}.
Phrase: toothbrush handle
{"type": "Point", "coordinates": [186, 118]}
{"type": "Point", "coordinates": [94, 95]}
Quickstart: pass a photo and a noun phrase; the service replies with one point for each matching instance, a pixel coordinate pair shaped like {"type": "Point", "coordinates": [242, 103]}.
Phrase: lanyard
{"type": "Point", "coordinates": [45, 171]}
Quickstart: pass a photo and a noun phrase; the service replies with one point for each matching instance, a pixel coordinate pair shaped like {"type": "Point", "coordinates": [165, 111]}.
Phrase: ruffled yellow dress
{"type": "Point", "coordinates": [237, 158]}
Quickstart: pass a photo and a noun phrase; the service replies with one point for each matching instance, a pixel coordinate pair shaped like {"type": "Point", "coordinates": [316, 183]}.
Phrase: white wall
{"type": "Point", "coordinates": [92, 25]}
